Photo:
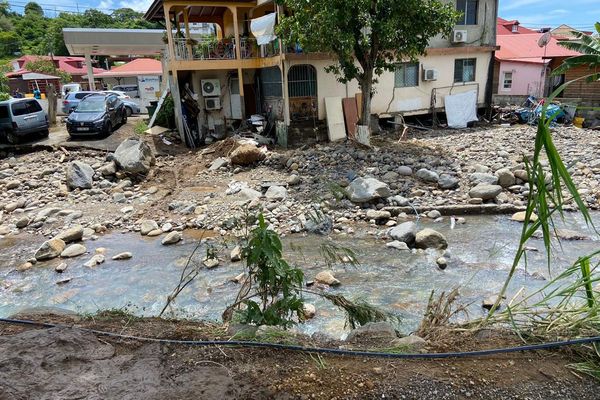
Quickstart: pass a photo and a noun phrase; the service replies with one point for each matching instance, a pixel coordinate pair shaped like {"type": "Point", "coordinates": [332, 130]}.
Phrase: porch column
{"type": "Point", "coordinates": [186, 24]}
{"type": "Point", "coordinates": [169, 28]}
{"type": "Point", "coordinates": [236, 31]}
{"type": "Point", "coordinates": [241, 89]}
{"type": "Point", "coordinates": [285, 91]}
{"type": "Point", "coordinates": [90, 71]}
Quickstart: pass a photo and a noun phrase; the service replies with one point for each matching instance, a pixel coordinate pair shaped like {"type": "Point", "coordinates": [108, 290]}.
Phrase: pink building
{"type": "Point", "coordinates": [523, 67]}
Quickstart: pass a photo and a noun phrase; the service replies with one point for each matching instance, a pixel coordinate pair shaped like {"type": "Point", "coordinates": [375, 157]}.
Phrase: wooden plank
{"type": "Point", "coordinates": [350, 115]}
{"type": "Point", "coordinates": [336, 128]}
{"type": "Point", "coordinates": [358, 97]}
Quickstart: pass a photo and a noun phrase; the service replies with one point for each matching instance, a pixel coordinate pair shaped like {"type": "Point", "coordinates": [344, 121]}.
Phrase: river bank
{"type": "Point", "coordinates": [70, 363]}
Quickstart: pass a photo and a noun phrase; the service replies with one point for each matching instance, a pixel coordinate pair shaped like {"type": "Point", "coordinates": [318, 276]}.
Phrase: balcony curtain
{"type": "Point", "coordinates": [263, 28]}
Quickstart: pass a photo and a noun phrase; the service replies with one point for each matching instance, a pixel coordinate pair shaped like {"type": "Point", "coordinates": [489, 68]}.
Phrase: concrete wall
{"type": "Point", "coordinates": [410, 100]}
{"type": "Point", "coordinates": [526, 78]}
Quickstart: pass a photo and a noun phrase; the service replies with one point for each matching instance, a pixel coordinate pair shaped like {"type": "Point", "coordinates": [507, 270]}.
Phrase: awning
{"type": "Point", "coordinates": [31, 76]}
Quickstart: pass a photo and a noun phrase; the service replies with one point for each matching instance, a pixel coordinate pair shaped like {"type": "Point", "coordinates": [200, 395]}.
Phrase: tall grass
{"type": "Point", "coordinates": [566, 306]}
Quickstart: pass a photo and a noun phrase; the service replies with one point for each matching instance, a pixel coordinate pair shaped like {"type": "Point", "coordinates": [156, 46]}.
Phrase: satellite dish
{"type": "Point", "coordinates": [544, 39]}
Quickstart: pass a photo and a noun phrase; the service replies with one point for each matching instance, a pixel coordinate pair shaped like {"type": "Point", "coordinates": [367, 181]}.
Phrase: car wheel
{"type": "Point", "coordinates": [128, 112]}
{"type": "Point", "coordinates": [45, 133]}
{"type": "Point", "coordinates": [124, 119]}
{"type": "Point", "coordinates": [11, 138]}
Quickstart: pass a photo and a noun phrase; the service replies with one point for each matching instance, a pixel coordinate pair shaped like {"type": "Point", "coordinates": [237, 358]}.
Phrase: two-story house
{"type": "Point", "coordinates": [231, 76]}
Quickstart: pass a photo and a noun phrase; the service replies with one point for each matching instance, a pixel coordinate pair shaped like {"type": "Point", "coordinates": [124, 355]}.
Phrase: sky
{"type": "Point", "coordinates": [580, 14]}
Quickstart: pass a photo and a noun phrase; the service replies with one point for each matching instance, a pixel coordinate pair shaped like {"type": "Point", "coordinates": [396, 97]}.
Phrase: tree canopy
{"type": "Point", "coordinates": [32, 32]}
{"type": "Point", "coordinates": [366, 37]}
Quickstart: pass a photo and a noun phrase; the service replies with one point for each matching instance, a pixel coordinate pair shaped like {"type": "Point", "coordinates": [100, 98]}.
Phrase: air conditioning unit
{"type": "Point", "coordinates": [459, 36]}
{"type": "Point", "coordinates": [430, 74]}
{"type": "Point", "coordinates": [212, 103]}
{"type": "Point", "coordinates": [211, 87]}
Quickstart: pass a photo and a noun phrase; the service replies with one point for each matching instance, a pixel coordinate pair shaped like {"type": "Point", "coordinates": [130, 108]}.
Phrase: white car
{"type": "Point", "coordinates": [70, 88]}
{"type": "Point", "coordinates": [118, 93]}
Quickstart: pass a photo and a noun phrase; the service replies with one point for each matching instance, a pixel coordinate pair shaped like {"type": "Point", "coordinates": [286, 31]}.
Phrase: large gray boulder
{"type": "Point", "coordinates": [405, 232]}
{"type": "Point", "coordinates": [485, 192]}
{"type": "Point", "coordinates": [363, 190]}
{"type": "Point", "coordinates": [79, 175]}
{"type": "Point", "coordinates": [430, 239]}
{"type": "Point", "coordinates": [134, 156]}
{"type": "Point", "coordinates": [505, 177]}
{"type": "Point", "coordinates": [483, 178]}
{"type": "Point", "coordinates": [447, 182]}
{"type": "Point", "coordinates": [427, 175]}
{"type": "Point", "coordinates": [72, 234]}
{"type": "Point", "coordinates": [373, 331]}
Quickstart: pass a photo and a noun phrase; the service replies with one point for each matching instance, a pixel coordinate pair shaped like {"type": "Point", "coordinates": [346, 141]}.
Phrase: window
{"type": "Point", "coordinates": [25, 107]}
{"type": "Point", "coordinates": [406, 75]}
{"type": "Point", "coordinates": [4, 112]}
{"type": "Point", "coordinates": [464, 70]}
{"type": "Point", "coordinates": [507, 80]}
{"type": "Point", "coordinates": [515, 28]}
{"type": "Point", "coordinates": [468, 8]}
{"type": "Point", "coordinates": [302, 81]}
{"type": "Point", "coordinates": [270, 83]}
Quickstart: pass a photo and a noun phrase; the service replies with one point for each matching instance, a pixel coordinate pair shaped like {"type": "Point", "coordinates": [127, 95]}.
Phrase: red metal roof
{"type": "Point", "coordinates": [71, 65]}
{"type": "Point", "coordinates": [525, 48]}
{"type": "Point", "coordinates": [139, 66]}
{"type": "Point", "coordinates": [504, 27]}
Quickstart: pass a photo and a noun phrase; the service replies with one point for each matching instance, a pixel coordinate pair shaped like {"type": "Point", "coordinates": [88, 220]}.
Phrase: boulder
{"type": "Point", "coordinates": [428, 176]}
{"type": "Point", "coordinates": [398, 245]}
{"type": "Point", "coordinates": [236, 254]}
{"type": "Point", "coordinates": [95, 260]}
{"type": "Point", "coordinates": [430, 239]}
{"type": "Point", "coordinates": [522, 175]}
{"type": "Point", "coordinates": [72, 234]}
{"type": "Point", "coordinates": [73, 250]}
{"type": "Point", "coordinates": [218, 163]}
{"type": "Point", "coordinates": [410, 343]}
{"type": "Point", "coordinates": [122, 256]}
{"type": "Point", "coordinates": [22, 222]}
{"type": "Point", "coordinates": [327, 278]}
{"type": "Point", "coordinates": [276, 193]}
{"type": "Point", "coordinates": [434, 214]}
{"type": "Point", "coordinates": [171, 238]}
{"type": "Point", "coordinates": [134, 156]}
{"type": "Point", "coordinates": [308, 311]}
{"type": "Point", "coordinates": [211, 262]}
{"type": "Point", "coordinates": [483, 178]}
{"type": "Point", "coordinates": [320, 225]}
{"type": "Point", "coordinates": [79, 175]}
{"type": "Point", "coordinates": [50, 249]}
{"type": "Point", "coordinates": [60, 268]}
{"type": "Point", "coordinates": [442, 262]}
{"type": "Point", "coordinates": [293, 180]}
{"type": "Point", "coordinates": [404, 170]}
{"type": "Point", "coordinates": [249, 194]}
{"type": "Point", "coordinates": [148, 226]}
{"type": "Point", "coordinates": [485, 192]}
{"type": "Point", "coordinates": [447, 182]}
{"type": "Point", "coordinates": [247, 154]}
{"type": "Point", "coordinates": [362, 190]}
{"type": "Point", "coordinates": [505, 177]}
{"type": "Point", "coordinates": [399, 201]}
{"type": "Point", "coordinates": [378, 214]}
{"type": "Point", "coordinates": [405, 232]}
{"type": "Point", "coordinates": [373, 331]}
{"type": "Point", "coordinates": [520, 216]}
{"type": "Point", "coordinates": [108, 169]}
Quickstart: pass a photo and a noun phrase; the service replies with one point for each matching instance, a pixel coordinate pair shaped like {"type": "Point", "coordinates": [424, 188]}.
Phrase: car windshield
{"type": "Point", "coordinates": [92, 105]}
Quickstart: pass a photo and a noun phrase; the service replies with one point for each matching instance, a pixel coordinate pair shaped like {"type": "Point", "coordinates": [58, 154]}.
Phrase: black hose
{"type": "Point", "coordinates": [374, 354]}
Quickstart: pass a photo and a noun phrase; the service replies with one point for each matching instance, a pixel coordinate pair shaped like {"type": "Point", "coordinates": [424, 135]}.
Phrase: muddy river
{"type": "Point", "coordinates": [481, 252]}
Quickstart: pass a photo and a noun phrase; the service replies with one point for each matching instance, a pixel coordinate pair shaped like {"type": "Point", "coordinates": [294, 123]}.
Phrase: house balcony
{"type": "Point", "coordinates": [212, 53]}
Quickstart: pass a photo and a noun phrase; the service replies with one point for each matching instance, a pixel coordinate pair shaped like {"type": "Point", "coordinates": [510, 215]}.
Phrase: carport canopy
{"type": "Point", "coordinates": [112, 42]}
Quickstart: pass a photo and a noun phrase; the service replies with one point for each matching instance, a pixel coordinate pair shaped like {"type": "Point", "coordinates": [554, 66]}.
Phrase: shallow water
{"type": "Point", "coordinates": [481, 254]}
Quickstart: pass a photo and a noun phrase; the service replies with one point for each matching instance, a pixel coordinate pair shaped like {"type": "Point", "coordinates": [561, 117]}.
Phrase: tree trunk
{"type": "Point", "coordinates": [52, 104]}
{"type": "Point", "coordinates": [365, 87]}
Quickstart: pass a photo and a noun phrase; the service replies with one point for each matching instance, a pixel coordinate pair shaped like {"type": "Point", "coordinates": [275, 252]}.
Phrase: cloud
{"type": "Point", "coordinates": [141, 6]}
{"type": "Point", "coordinates": [515, 4]}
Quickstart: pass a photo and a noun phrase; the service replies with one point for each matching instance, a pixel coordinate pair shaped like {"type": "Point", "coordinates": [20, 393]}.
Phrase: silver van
{"type": "Point", "coordinates": [21, 117]}
{"type": "Point", "coordinates": [129, 90]}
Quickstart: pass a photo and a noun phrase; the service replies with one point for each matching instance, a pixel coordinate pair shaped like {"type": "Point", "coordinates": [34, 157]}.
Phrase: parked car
{"type": "Point", "coordinates": [70, 88]}
{"type": "Point", "coordinates": [71, 100]}
{"type": "Point", "coordinates": [131, 106]}
{"type": "Point", "coordinates": [21, 117]}
{"type": "Point", "coordinates": [130, 90]}
{"type": "Point", "coordinates": [96, 114]}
